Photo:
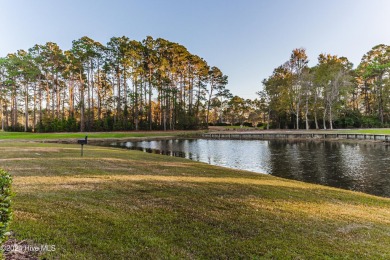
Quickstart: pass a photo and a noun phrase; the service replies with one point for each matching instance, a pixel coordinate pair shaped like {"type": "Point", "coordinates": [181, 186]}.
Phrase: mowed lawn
{"type": "Point", "coordinates": [378, 131]}
{"type": "Point", "coordinates": [119, 204]}
{"type": "Point", "coordinates": [100, 135]}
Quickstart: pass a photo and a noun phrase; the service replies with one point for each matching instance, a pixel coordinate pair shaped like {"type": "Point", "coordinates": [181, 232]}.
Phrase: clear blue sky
{"type": "Point", "coordinates": [246, 39]}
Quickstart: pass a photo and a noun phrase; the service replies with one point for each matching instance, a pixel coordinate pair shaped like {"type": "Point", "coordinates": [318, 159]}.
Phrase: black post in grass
{"type": "Point", "coordinates": [82, 142]}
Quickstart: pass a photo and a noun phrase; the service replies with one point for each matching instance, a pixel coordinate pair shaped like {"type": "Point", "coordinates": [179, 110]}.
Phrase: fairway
{"type": "Point", "coordinates": [119, 204]}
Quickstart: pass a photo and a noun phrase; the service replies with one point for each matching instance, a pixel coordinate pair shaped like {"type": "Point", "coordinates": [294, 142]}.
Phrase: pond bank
{"type": "Point", "coordinates": [119, 204]}
{"type": "Point", "coordinates": [296, 136]}
{"type": "Point", "coordinates": [96, 141]}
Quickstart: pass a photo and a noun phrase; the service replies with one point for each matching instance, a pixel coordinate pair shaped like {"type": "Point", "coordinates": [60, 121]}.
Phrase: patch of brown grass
{"type": "Point", "coordinates": [324, 210]}
{"type": "Point", "coordinates": [33, 180]}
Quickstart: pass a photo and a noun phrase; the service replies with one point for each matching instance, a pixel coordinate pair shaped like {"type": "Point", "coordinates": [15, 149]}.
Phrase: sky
{"type": "Point", "coordinates": [246, 39]}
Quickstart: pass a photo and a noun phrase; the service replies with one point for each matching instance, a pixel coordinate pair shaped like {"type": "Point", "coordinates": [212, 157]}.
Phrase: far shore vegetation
{"type": "Point", "coordinates": [120, 204]}
{"type": "Point", "coordinates": [97, 135]}
{"type": "Point", "coordinates": [156, 84]}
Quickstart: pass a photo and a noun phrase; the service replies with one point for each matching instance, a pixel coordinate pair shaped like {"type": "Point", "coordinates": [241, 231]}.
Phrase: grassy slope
{"type": "Point", "coordinates": [117, 204]}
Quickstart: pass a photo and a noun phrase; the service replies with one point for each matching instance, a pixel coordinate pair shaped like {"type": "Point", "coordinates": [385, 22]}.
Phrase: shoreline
{"type": "Point", "coordinates": [320, 136]}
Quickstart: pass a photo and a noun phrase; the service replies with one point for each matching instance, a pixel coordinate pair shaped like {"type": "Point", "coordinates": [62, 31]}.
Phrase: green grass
{"type": "Point", "coordinates": [233, 127]}
{"type": "Point", "coordinates": [142, 134]}
{"type": "Point", "coordinates": [120, 204]}
{"type": "Point", "coordinates": [341, 131]}
{"type": "Point", "coordinates": [130, 134]}
{"type": "Point", "coordinates": [384, 131]}
{"type": "Point", "coordinates": [238, 127]}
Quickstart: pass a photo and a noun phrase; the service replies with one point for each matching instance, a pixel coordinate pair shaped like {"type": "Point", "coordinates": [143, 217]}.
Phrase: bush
{"type": "Point", "coordinates": [222, 124]}
{"type": "Point", "coordinates": [349, 119]}
{"type": "Point", "coordinates": [5, 202]}
{"type": "Point", "coordinates": [247, 124]}
{"type": "Point", "coordinates": [371, 121]}
{"type": "Point", "coordinates": [17, 128]}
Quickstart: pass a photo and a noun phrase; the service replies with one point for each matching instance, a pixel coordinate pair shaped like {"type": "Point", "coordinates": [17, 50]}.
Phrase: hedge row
{"type": "Point", "coordinates": [5, 202]}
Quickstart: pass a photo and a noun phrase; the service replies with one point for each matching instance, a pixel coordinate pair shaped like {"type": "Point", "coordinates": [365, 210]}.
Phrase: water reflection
{"type": "Point", "coordinates": [360, 167]}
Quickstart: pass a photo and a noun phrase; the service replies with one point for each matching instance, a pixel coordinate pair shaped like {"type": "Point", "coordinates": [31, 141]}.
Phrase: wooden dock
{"type": "Point", "coordinates": [289, 136]}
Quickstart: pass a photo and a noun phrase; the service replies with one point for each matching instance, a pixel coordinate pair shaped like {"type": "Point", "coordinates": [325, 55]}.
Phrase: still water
{"type": "Point", "coordinates": [359, 167]}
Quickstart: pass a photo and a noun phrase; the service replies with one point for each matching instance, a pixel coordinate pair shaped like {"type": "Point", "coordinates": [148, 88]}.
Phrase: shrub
{"type": "Point", "coordinates": [5, 202]}
{"type": "Point", "coordinates": [222, 124]}
{"type": "Point", "coordinates": [247, 124]}
{"type": "Point", "coordinates": [349, 119]}
{"type": "Point", "coordinates": [371, 121]}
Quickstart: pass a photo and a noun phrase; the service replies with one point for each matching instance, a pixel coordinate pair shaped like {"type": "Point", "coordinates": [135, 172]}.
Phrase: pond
{"type": "Point", "coordinates": [359, 167]}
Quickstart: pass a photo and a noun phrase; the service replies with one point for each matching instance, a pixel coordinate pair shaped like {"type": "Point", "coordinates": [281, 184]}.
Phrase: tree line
{"type": "Point", "coordinates": [123, 85]}
{"type": "Point", "coordinates": [155, 84]}
{"type": "Point", "coordinates": [330, 94]}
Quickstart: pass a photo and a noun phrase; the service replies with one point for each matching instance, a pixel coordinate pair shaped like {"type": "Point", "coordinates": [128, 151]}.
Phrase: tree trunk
{"type": "Point", "coordinates": [125, 119]}
{"type": "Point", "coordinates": [118, 108]}
{"type": "Point", "coordinates": [34, 109]}
{"type": "Point", "coordinates": [6, 115]}
{"type": "Point", "coordinates": [380, 100]}
{"type": "Point", "coordinates": [89, 99]}
{"type": "Point", "coordinates": [297, 116]}
{"type": "Point", "coordinates": [15, 110]}
{"type": "Point", "coordinates": [316, 120]}
{"type": "Point", "coordinates": [26, 108]}
{"type": "Point", "coordinates": [53, 96]}
{"type": "Point", "coordinates": [324, 118]}
{"type": "Point", "coordinates": [71, 98]}
{"type": "Point", "coordinates": [82, 106]}
{"type": "Point", "coordinates": [208, 103]}
{"type": "Point", "coordinates": [366, 99]}
{"type": "Point", "coordinates": [58, 92]}
{"type": "Point", "coordinates": [2, 115]}
{"type": "Point", "coordinates": [47, 96]}
{"type": "Point", "coordinates": [40, 106]}
{"type": "Point", "coordinates": [197, 102]}
{"type": "Point", "coordinates": [99, 109]}
{"type": "Point", "coordinates": [306, 114]}
{"type": "Point", "coordinates": [63, 105]}
{"type": "Point", "coordinates": [173, 113]}
{"type": "Point", "coordinates": [268, 117]}
{"type": "Point", "coordinates": [92, 112]}
{"type": "Point", "coordinates": [150, 100]}
{"type": "Point", "coordinates": [165, 119]}
{"type": "Point", "coordinates": [136, 111]}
